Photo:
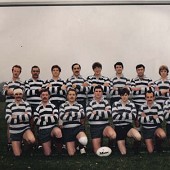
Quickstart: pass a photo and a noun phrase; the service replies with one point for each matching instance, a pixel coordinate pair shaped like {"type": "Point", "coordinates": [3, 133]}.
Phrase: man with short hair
{"type": "Point", "coordinates": [56, 87]}
{"type": "Point", "coordinates": [123, 114]}
{"type": "Point", "coordinates": [8, 92]}
{"type": "Point", "coordinates": [117, 83]}
{"type": "Point", "coordinates": [18, 115]}
{"type": "Point", "coordinates": [98, 79]}
{"type": "Point", "coordinates": [77, 82]}
{"type": "Point", "coordinates": [13, 83]}
{"type": "Point", "coordinates": [162, 86]}
{"type": "Point", "coordinates": [151, 116]}
{"type": "Point", "coordinates": [33, 86]}
{"type": "Point", "coordinates": [71, 113]}
{"type": "Point", "coordinates": [140, 85]}
{"type": "Point", "coordinates": [98, 112]}
{"type": "Point", "coordinates": [46, 118]}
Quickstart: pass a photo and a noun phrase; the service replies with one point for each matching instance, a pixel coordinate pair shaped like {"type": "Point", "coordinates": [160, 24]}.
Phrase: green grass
{"type": "Point", "coordinates": [115, 161]}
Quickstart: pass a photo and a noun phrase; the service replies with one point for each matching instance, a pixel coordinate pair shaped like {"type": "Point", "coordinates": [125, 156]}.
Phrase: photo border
{"type": "Point", "coordinates": [82, 3]}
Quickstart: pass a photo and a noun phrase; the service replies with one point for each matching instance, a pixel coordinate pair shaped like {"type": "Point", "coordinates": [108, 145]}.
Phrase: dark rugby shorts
{"type": "Point", "coordinates": [70, 134]}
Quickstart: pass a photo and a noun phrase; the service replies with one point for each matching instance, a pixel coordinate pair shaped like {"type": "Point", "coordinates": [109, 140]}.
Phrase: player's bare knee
{"type": "Point", "coordinates": [31, 140]}
{"type": "Point", "coordinates": [112, 135]}
{"type": "Point", "coordinates": [163, 136]}
{"type": "Point", "coordinates": [138, 137]}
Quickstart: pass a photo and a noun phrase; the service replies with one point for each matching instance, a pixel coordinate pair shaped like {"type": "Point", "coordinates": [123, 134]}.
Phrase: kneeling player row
{"type": "Point", "coordinates": [71, 114]}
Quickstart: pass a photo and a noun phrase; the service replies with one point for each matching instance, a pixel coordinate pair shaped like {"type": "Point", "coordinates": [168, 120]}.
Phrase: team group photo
{"type": "Point", "coordinates": [84, 85]}
{"type": "Point", "coordinates": [43, 114]}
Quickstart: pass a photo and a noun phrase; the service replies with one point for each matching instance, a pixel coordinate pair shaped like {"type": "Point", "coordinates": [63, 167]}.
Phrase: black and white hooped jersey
{"type": "Point", "coordinates": [81, 90]}
{"type": "Point", "coordinates": [32, 92]}
{"type": "Point", "coordinates": [138, 97]}
{"type": "Point", "coordinates": [56, 93]}
{"type": "Point", "coordinates": [22, 113]}
{"type": "Point", "coordinates": [98, 113]}
{"type": "Point", "coordinates": [99, 81]}
{"type": "Point", "coordinates": [149, 121]}
{"type": "Point", "coordinates": [123, 114]}
{"type": "Point", "coordinates": [46, 116]}
{"type": "Point", "coordinates": [162, 85]}
{"type": "Point", "coordinates": [11, 85]}
{"type": "Point", "coordinates": [166, 109]}
{"type": "Point", "coordinates": [71, 114]}
{"type": "Point", "coordinates": [118, 82]}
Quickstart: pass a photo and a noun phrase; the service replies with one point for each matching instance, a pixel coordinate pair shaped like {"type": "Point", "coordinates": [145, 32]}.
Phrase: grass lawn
{"type": "Point", "coordinates": [115, 161]}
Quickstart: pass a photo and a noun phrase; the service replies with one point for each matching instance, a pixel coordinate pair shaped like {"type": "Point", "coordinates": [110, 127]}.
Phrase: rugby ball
{"type": "Point", "coordinates": [103, 151]}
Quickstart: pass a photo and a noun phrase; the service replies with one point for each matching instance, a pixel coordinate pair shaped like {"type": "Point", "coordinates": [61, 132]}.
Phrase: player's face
{"type": "Point", "coordinates": [55, 72]}
{"type": "Point", "coordinates": [125, 97]}
{"type": "Point", "coordinates": [98, 94]}
{"type": "Point", "coordinates": [97, 71]}
{"type": "Point", "coordinates": [35, 73]}
{"type": "Point", "coordinates": [18, 97]}
{"type": "Point", "coordinates": [150, 98]}
{"type": "Point", "coordinates": [71, 96]}
{"type": "Point", "coordinates": [140, 71]}
{"type": "Point", "coordinates": [44, 97]}
{"type": "Point", "coordinates": [16, 72]}
{"type": "Point", "coordinates": [163, 73]}
{"type": "Point", "coordinates": [76, 70]}
{"type": "Point", "coordinates": [119, 69]}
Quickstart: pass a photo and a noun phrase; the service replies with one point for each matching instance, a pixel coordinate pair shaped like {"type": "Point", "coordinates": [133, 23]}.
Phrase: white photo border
{"type": "Point", "coordinates": [6, 3]}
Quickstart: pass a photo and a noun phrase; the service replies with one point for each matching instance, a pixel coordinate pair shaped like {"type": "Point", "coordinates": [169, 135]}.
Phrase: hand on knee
{"type": "Point", "coordinates": [83, 140]}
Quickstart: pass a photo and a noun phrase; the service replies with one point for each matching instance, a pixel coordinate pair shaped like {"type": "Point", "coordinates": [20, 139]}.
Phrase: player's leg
{"type": "Point", "coordinates": [109, 132]}
{"type": "Point", "coordinates": [47, 148]}
{"type": "Point", "coordinates": [160, 135]}
{"type": "Point", "coordinates": [71, 148]}
{"type": "Point", "coordinates": [16, 147]}
{"type": "Point", "coordinates": [56, 134]}
{"type": "Point", "coordinates": [133, 133]}
{"type": "Point", "coordinates": [149, 145]}
{"type": "Point", "coordinates": [122, 147]}
{"type": "Point", "coordinates": [28, 136]}
{"type": "Point", "coordinates": [82, 139]}
{"type": "Point", "coordinates": [96, 144]}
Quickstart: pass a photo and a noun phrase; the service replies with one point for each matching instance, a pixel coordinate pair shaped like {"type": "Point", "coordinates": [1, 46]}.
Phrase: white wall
{"type": "Point", "coordinates": [63, 35]}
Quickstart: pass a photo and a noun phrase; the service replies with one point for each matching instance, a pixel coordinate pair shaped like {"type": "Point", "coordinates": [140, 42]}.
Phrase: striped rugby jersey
{"type": "Point", "coordinates": [46, 116]}
{"type": "Point", "coordinates": [102, 112]}
{"type": "Point", "coordinates": [56, 93]}
{"type": "Point", "coordinates": [71, 114]}
{"type": "Point", "coordinates": [166, 109]}
{"type": "Point", "coordinates": [23, 113]}
{"type": "Point", "coordinates": [162, 85]}
{"type": "Point", "coordinates": [31, 91]}
{"type": "Point", "coordinates": [138, 97]}
{"type": "Point", "coordinates": [11, 85]}
{"type": "Point", "coordinates": [118, 82]}
{"type": "Point", "coordinates": [149, 122]}
{"type": "Point", "coordinates": [123, 114]}
{"type": "Point", "coordinates": [81, 90]}
{"type": "Point", "coordinates": [100, 81]}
